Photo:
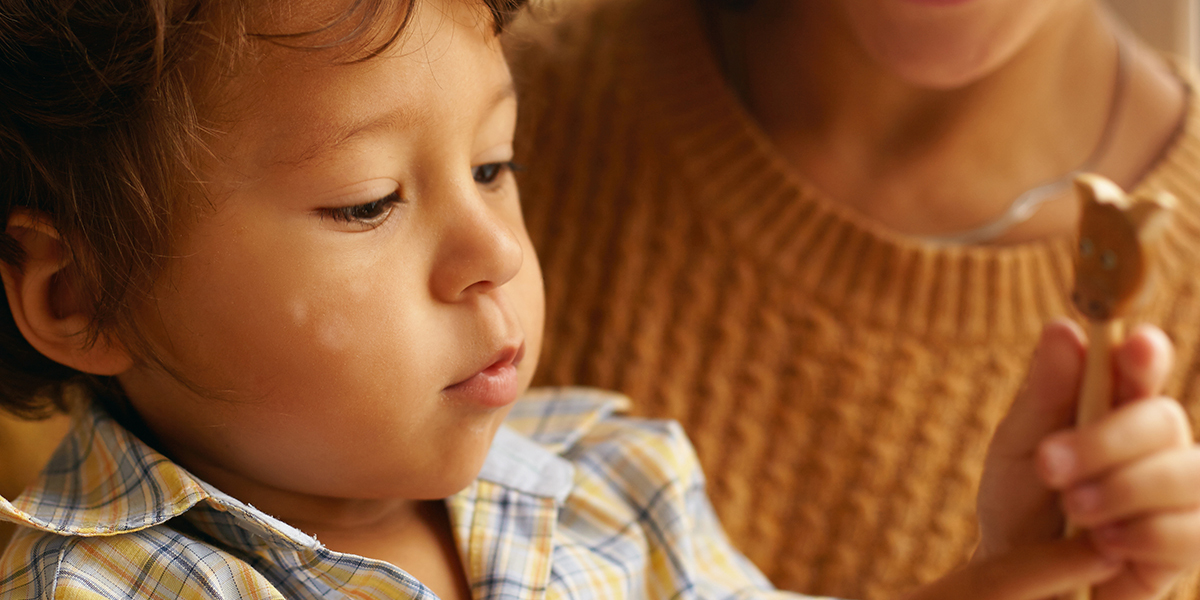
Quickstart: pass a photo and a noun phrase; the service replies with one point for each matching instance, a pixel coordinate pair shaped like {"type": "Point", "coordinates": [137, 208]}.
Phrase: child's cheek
{"type": "Point", "coordinates": [326, 334]}
{"type": "Point", "coordinates": [529, 291]}
{"type": "Point", "coordinates": [325, 328]}
{"type": "Point", "coordinates": [281, 310]}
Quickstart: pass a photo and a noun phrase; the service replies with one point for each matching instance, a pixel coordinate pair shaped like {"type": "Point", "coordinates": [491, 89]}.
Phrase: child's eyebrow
{"type": "Point", "coordinates": [334, 137]}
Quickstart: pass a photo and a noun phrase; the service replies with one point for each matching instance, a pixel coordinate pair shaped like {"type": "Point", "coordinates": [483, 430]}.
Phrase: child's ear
{"type": "Point", "coordinates": [45, 306]}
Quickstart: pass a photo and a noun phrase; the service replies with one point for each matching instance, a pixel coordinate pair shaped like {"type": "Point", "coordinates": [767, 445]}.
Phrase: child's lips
{"type": "Point", "coordinates": [496, 385]}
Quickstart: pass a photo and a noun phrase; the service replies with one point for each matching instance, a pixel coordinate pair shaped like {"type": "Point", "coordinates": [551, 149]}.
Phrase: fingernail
{"type": "Point", "coordinates": [1084, 500]}
{"type": "Point", "coordinates": [1058, 462]}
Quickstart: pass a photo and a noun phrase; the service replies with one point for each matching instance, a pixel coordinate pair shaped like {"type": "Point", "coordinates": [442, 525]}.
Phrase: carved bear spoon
{"type": "Point", "coordinates": [1113, 270]}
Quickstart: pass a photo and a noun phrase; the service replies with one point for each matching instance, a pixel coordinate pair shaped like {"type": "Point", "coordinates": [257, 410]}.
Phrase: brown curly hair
{"type": "Point", "coordinates": [100, 134]}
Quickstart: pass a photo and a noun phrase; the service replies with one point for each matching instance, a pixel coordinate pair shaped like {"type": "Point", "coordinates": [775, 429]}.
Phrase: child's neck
{"type": "Point", "coordinates": [415, 536]}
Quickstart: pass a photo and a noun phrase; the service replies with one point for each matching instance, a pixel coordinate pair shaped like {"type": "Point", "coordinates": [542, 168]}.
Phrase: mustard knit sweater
{"type": "Point", "coordinates": [840, 382]}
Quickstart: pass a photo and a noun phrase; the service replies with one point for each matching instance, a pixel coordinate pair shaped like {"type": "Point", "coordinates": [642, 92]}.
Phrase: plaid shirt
{"type": "Point", "coordinates": [572, 502]}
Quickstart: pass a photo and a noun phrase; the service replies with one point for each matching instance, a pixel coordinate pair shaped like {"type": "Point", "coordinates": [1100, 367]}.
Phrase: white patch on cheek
{"type": "Point", "coordinates": [333, 332]}
{"type": "Point", "coordinates": [299, 311]}
{"type": "Point", "coordinates": [329, 331]}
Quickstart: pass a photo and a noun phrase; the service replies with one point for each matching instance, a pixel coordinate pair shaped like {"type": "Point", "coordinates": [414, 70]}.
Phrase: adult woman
{"type": "Point", "coordinates": [798, 227]}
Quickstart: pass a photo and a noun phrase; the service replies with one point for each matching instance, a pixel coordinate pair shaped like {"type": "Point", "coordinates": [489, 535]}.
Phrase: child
{"type": "Point", "coordinates": [272, 255]}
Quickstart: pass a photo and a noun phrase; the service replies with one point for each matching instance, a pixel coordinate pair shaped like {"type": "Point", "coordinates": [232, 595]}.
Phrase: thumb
{"type": "Point", "coordinates": [1028, 573]}
{"type": "Point", "coordinates": [1014, 506]}
{"type": "Point", "coordinates": [1046, 402]}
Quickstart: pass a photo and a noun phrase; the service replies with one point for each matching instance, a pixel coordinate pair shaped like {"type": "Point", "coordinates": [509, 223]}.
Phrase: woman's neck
{"type": "Point", "coordinates": [926, 162]}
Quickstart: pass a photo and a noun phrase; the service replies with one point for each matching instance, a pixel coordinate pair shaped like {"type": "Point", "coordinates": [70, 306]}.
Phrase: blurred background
{"type": "Point", "coordinates": [1172, 25]}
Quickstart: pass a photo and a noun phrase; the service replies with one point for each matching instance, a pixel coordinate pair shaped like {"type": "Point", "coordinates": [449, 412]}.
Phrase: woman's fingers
{"type": "Point", "coordinates": [1138, 582]}
{"type": "Point", "coordinates": [1166, 538]}
{"type": "Point", "coordinates": [1168, 481]}
{"type": "Point", "coordinates": [1134, 431]}
{"type": "Point", "coordinates": [1132, 478]}
{"type": "Point", "coordinates": [1142, 363]}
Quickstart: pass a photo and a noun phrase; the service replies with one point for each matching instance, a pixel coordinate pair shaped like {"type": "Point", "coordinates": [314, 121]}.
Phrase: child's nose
{"type": "Point", "coordinates": [478, 251]}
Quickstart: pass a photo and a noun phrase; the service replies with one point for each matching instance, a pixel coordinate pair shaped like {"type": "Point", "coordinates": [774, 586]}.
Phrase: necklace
{"type": "Point", "coordinates": [1027, 203]}
{"type": "Point", "coordinates": [727, 35]}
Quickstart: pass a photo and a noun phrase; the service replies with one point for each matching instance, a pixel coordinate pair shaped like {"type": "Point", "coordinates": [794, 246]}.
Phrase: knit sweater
{"type": "Point", "coordinates": [840, 382]}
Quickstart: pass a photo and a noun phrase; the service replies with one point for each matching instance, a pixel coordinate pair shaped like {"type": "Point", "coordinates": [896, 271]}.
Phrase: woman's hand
{"type": "Point", "coordinates": [1015, 508]}
{"type": "Point", "coordinates": [1131, 480]}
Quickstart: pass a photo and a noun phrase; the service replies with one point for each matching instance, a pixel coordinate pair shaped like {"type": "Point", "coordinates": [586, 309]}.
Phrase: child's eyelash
{"type": "Point", "coordinates": [490, 172]}
{"type": "Point", "coordinates": [369, 215]}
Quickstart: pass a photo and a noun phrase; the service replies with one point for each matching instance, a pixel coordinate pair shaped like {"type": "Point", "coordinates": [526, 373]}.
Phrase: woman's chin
{"type": "Point", "coordinates": [938, 73]}
{"type": "Point", "coordinates": [944, 62]}
{"type": "Point", "coordinates": [932, 44]}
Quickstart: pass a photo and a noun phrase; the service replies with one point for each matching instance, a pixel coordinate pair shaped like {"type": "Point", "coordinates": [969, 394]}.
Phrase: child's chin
{"type": "Point", "coordinates": [457, 468]}
{"type": "Point", "coordinates": [446, 485]}
{"type": "Point", "coordinates": [452, 478]}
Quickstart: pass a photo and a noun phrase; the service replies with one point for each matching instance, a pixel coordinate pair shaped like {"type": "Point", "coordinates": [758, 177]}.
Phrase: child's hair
{"type": "Point", "coordinates": [99, 134]}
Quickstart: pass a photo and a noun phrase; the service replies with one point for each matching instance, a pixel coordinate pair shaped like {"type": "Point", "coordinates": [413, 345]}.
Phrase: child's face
{"type": "Point", "coordinates": [365, 257]}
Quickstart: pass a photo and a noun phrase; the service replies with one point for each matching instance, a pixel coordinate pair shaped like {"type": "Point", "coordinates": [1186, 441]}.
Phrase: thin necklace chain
{"type": "Point", "coordinates": [1023, 208]}
{"type": "Point", "coordinates": [726, 35]}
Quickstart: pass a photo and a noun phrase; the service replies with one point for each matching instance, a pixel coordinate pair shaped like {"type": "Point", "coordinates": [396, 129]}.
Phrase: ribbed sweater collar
{"type": "Point", "coordinates": [746, 188]}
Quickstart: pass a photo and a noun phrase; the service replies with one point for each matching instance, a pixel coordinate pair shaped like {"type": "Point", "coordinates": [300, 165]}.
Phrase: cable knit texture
{"type": "Point", "coordinates": [840, 382]}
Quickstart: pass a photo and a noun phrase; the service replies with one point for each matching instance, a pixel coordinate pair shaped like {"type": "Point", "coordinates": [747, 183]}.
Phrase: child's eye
{"type": "Point", "coordinates": [366, 216]}
{"type": "Point", "coordinates": [488, 173]}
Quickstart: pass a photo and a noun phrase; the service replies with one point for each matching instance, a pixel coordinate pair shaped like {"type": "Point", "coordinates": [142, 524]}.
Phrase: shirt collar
{"type": "Point", "coordinates": [557, 418]}
{"type": "Point", "coordinates": [526, 454]}
{"type": "Point", "coordinates": [103, 480]}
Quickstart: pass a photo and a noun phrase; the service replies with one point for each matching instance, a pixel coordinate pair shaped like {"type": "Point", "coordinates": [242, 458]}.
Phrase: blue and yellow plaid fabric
{"type": "Point", "coordinates": [572, 502]}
